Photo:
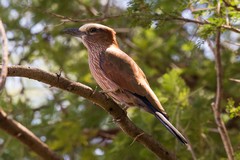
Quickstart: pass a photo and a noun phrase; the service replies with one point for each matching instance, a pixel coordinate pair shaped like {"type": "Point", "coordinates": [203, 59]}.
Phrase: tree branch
{"type": "Point", "coordinates": [86, 20]}
{"type": "Point", "coordinates": [204, 22]}
{"type": "Point", "coordinates": [100, 99]}
{"type": "Point", "coordinates": [4, 56]}
{"type": "Point", "coordinates": [25, 136]}
{"type": "Point", "coordinates": [228, 4]}
{"type": "Point", "coordinates": [217, 104]}
{"type": "Point", "coordinates": [228, 27]}
{"type": "Point", "coordinates": [100, 19]}
{"type": "Point", "coordinates": [69, 19]}
{"type": "Point", "coordinates": [234, 80]}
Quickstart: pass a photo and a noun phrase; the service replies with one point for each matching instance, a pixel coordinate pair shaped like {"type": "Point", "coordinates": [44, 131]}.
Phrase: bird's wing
{"type": "Point", "coordinates": [122, 70]}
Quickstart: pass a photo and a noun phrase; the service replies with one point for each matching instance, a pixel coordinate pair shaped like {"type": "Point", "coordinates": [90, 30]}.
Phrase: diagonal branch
{"type": "Point", "coordinates": [25, 136]}
{"type": "Point", "coordinates": [3, 74]}
{"type": "Point", "coordinates": [234, 80]}
{"type": "Point", "coordinates": [228, 4]}
{"type": "Point", "coordinates": [100, 99]}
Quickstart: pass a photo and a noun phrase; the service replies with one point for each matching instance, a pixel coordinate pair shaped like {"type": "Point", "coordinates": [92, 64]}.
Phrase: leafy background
{"type": "Point", "coordinates": [174, 55]}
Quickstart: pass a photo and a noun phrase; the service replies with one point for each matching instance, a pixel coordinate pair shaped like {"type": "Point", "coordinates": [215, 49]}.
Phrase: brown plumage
{"type": "Point", "coordinates": [117, 73]}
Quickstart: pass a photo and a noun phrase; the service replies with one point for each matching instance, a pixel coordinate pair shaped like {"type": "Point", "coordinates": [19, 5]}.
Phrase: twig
{"type": "Point", "coordinates": [86, 20]}
{"type": "Point", "coordinates": [21, 133]}
{"type": "Point", "coordinates": [201, 9]}
{"type": "Point", "coordinates": [136, 138]}
{"type": "Point", "coordinates": [230, 5]}
{"type": "Point", "coordinates": [4, 56]}
{"type": "Point", "coordinates": [233, 43]}
{"type": "Point", "coordinates": [237, 30]}
{"type": "Point", "coordinates": [228, 27]}
{"type": "Point", "coordinates": [216, 105]}
{"type": "Point", "coordinates": [91, 10]}
{"type": "Point", "coordinates": [69, 19]}
{"type": "Point", "coordinates": [106, 7]}
{"type": "Point", "coordinates": [235, 80]}
{"type": "Point", "coordinates": [207, 22]}
{"type": "Point", "coordinates": [100, 99]}
{"type": "Point", "coordinates": [190, 148]}
{"type": "Point", "coordinates": [66, 19]}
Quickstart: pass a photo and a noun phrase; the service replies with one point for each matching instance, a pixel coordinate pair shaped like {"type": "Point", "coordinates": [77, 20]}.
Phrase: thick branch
{"type": "Point", "coordinates": [25, 136]}
{"type": "Point", "coordinates": [100, 99]}
{"type": "Point", "coordinates": [4, 56]}
{"type": "Point", "coordinates": [217, 104]}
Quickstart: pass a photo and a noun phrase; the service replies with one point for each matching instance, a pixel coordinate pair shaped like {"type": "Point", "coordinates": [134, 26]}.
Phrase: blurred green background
{"type": "Point", "coordinates": [174, 55]}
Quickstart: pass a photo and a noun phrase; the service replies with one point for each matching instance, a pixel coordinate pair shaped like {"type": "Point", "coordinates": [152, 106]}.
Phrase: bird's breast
{"type": "Point", "coordinates": [98, 74]}
{"type": "Point", "coordinates": [118, 94]}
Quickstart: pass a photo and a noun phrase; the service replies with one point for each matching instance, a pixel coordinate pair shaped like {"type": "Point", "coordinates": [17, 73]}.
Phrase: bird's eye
{"type": "Point", "coordinates": [92, 30]}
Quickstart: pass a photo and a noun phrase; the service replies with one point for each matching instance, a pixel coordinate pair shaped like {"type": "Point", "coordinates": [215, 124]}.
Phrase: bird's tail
{"type": "Point", "coordinates": [170, 127]}
{"type": "Point", "coordinates": [163, 119]}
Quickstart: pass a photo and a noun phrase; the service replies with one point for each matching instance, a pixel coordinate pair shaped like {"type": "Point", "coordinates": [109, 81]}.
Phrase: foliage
{"type": "Point", "coordinates": [232, 110]}
{"type": "Point", "coordinates": [174, 55]}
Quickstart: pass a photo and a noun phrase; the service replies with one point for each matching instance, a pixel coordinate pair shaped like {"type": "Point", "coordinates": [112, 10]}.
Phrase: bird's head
{"type": "Point", "coordinates": [94, 35]}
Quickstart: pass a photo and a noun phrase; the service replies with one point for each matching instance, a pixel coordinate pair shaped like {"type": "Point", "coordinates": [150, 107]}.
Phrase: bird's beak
{"type": "Point", "coordinates": [74, 32]}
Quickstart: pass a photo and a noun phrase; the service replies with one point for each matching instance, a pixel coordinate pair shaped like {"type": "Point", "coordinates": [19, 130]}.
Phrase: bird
{"type": "Point", "coordinates": [118, 74]}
